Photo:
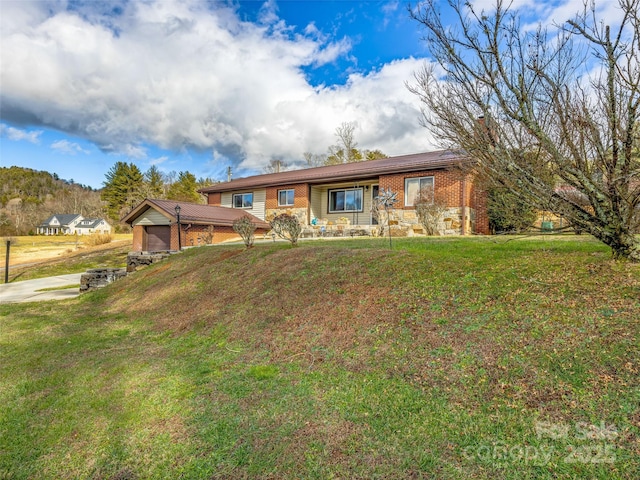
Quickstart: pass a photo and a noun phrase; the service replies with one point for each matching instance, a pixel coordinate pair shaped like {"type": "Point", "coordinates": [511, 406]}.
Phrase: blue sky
{"type": "Point", "coordinates": [200, 86]}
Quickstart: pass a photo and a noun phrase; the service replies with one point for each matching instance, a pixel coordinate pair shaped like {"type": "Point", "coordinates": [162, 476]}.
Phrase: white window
{"type": "Point", "coordinates": [242, 200]}
{"type": "Point", "coordinates": [285, 198]}
{"type": "Point", "coordinates": [414, 186]}
{"type": "Point", "coordinates": [345, 200]}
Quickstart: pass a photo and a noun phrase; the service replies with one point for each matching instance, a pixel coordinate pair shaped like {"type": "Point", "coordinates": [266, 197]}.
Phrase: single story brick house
{"type": "Point", "coordinates": [155, 225]}
{"type": "Point", "coordinates": [333, 196]}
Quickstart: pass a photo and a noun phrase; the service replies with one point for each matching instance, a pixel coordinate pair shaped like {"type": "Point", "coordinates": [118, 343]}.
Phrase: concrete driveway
{"type": "Point", "coordinates": [27, 291]}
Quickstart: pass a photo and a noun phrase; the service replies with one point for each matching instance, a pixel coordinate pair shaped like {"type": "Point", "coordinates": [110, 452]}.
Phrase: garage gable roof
{"type": "Point", "coordinates": [193, 213]}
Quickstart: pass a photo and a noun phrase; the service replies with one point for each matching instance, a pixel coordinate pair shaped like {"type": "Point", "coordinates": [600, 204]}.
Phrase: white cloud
{"type": "Point", "coordinates": [17, 135]}
{"type": "Point", "coordinates": [269, 13]}
{"type": "Point", "coordinates": [159, 160]}
{"type": "Point", "coordinates": [184, 74]}
{"type": "Point", "coordinates": [552, 13]}
{"type": "Point", "coordinates": [390, 10]}
{"type": "Point", "coordinates": [67, 147]}
{"type": "Point", "coordinates": [133, 151]}
{"type": "Point", "coordinates": [387, 115]}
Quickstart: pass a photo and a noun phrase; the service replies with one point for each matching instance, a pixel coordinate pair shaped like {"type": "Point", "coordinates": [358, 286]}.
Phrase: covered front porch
{"type": "Point", "coordinates": [343, 206]}
{"type": "Point", "coordinates": [53, 231]}
{"type": "Point", "coordinates": [333, 209]}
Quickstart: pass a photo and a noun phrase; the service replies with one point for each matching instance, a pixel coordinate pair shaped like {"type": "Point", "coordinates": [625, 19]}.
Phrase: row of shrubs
{"type": "Point", "coordinates": [284, 226]}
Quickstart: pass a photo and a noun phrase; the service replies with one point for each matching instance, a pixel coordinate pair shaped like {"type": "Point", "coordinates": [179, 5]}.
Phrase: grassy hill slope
{"type": "Point", "coordinates": [446, 358]}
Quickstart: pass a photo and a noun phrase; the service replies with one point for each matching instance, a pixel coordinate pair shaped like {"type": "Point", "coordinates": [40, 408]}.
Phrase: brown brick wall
{"type": "Point", "coordinates": [479, 203]}
{"type": "Point", "coordinates": [214, 198]}
{"type": "Point", "coordinates": [300, 196]}
{"type": "Point", "coordinates": [193, 236]}
{"type": "Point", "coordinates": [174, 236]}
{"type": "Point", "coordinates": [138, 238]}
{"type": "Point", "coordinates": [447, 185]}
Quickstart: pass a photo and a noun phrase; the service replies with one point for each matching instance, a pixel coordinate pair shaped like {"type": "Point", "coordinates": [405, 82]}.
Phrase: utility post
{"type": "Point", "coordinates": [6, 263]}
{"type": "Point", "coordinates": [179, 228]}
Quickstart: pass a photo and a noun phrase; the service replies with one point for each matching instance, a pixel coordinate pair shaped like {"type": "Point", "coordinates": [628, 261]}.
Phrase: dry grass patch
{"type": "Point", "coordinates": [97, 239]}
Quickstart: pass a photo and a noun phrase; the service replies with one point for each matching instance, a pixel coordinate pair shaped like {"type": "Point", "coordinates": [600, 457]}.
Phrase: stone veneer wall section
{"type": "Point", "coordinates": [299, 213]}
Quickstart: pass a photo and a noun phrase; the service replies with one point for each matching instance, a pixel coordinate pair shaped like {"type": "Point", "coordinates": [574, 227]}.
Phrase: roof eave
{"type": "Point", "coordinates": [216, 223]}
{"type": "Point", "coordinates": [227, 187]}
{"type": "Point", "coordinates": [205, 221]}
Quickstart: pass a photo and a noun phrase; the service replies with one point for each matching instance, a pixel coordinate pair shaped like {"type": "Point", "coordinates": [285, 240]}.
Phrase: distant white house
{"type": "Point", "coordinates": [70, 224]}
{"type": "Point", "coordinates": [87, 226]}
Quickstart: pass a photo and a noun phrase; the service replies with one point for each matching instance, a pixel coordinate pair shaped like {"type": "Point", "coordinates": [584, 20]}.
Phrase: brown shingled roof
{"type": "Point", "coordinates": [344, 171]}
{"type": "Point", "coordinates": [193, 213]}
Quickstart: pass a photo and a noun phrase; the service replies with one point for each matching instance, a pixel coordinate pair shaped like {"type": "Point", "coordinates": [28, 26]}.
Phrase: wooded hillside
{"type": "Point", "coordinates": [28, 197]}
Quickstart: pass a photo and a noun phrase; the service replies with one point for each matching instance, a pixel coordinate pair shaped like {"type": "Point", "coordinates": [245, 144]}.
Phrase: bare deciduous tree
{"type": "Point", "coordinates": [275, 166]}
{"type": "Point", "coordinates": [559, 109]}
{"type": "Point", "coordinates": [345, 151]}
{"type": "Point", "coordinates": [314, 159]}
{"type": "Point", "coordinates": [430, 210]}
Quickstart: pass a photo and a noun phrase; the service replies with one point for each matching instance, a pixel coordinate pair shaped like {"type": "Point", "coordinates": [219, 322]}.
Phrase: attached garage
{"type": "Point", "coordinates": [156, 226]}
{"type": "Point", "coordinates": [158, 238]}
{"type": "Point", "coordinates": [155, 229]}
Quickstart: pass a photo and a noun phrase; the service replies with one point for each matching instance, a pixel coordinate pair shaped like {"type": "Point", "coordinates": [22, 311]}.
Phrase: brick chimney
{"type": "Point", "coordinates": [488, 133]}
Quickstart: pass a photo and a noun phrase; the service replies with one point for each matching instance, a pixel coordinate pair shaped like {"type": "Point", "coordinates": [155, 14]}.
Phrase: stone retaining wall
{"type": "Point", "coordinates": [100, 277]}
{"type": "Point", "coordinates": [142, 259]}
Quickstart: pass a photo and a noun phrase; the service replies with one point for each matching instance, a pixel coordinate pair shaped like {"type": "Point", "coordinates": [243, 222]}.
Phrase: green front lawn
{"type": "Point", "coordinates": [444, 358]}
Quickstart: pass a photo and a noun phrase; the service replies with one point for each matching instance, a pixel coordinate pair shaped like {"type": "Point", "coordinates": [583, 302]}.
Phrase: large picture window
{"type": "Point", "coordinates": [413, 186]}
{"type": "Point", "coordinates": [285, 198]}
{"type": "Point", "coordinates": [242, 200]}
{"type": "Point", "coordinates": [345, 200]}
